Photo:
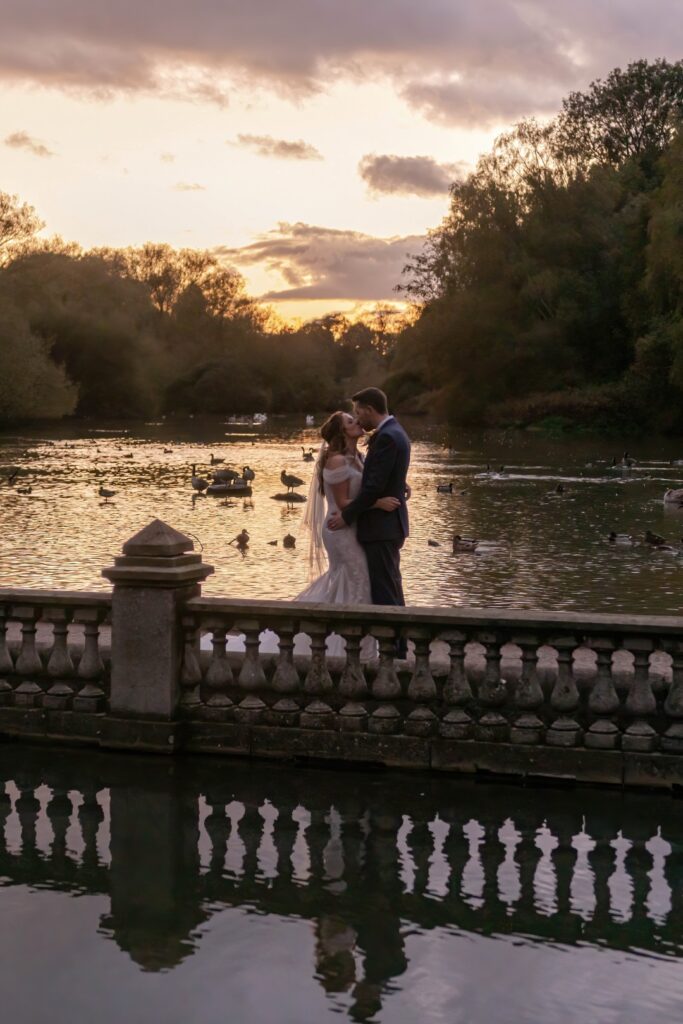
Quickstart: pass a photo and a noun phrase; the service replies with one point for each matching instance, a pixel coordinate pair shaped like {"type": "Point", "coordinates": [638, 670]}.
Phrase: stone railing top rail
{"type": "Point", "coordinates": [585, 623]}
{"type": "Point", "coordinates": [62, 598]}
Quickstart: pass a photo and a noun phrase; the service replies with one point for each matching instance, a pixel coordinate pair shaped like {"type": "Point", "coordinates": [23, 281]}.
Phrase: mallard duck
{"type": "Point", "coordinates": [24, 490]}
{"type": "Point", "coordinates": [199, 484]}
{"type": "Point", "coordinates": [621, 538]}
{"type": "Point", "coordinates": [463, 543]}
{"type": "Point", "coordinates": [290, 481]}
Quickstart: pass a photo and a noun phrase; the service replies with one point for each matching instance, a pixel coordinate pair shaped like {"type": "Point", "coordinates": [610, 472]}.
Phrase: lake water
{"type": "Point", "coordinates": [62, 534]}
{"type": "Point", "coordinates": [140, 889]}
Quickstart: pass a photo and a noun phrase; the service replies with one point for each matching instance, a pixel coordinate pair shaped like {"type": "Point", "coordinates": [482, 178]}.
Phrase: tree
{"type": "Point", "coordinates": [631, 114]}
{"type": "Point", "coordinates": [19, 223]}
{"type": "Point", "coordinates": [32, 386]}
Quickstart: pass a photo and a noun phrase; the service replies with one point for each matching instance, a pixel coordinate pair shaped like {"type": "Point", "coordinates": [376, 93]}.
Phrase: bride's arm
{"type": "Point", "coordinates": [340, 490]}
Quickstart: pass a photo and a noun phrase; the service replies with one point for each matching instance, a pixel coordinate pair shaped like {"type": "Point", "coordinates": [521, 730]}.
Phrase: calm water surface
{"type": "Point", "coordinates": [62, 534]}
{"type": "Point", "coordinates": [213, 891]}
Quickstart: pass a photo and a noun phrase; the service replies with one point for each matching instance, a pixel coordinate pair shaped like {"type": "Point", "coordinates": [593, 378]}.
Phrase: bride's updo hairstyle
{"type": "Point", "coordinates": [334, 436]}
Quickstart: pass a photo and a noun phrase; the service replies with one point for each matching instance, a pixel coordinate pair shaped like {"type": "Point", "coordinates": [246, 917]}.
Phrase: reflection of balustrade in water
{"type": "Point", "coordinates": [361, 857]}
{"type": "Point", "coordinates": [592, 697]}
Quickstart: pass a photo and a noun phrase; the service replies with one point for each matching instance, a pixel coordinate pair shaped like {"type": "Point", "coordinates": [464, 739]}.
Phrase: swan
{"type": "Point", "coordinates": [674, 496]}
{"type": "Point", "coordinates": [290, 481]}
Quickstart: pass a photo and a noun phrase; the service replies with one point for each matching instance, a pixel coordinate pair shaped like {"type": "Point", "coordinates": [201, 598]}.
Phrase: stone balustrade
{"type": "Point", "coordinates": [592, 697]}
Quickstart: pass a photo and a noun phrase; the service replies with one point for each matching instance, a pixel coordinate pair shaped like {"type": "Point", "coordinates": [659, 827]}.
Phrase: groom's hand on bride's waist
{"type": "Point", "coordinates": [335, 522]}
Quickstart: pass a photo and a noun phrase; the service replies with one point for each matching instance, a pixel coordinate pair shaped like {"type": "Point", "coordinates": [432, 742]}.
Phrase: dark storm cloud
{"type": "Point", "coordinates": [326, 263]}
{"type": "Point", "coordinates": [459, 62]}
{"type": "Point", "coordinates": [22, 140]}
{"type": "Point", "coordinates": [280, 149]}
{"type": "Point", "coordinates": [408, 175]}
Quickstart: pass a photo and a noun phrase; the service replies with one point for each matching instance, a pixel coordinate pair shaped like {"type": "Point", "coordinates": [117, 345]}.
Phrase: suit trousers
{"type": "Point", "coordinates": [384, 565]}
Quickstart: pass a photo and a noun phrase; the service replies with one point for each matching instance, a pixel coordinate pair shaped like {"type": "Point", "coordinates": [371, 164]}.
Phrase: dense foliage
{"type": "Point", "coordinates": [134, 332]}
{"type": "Point", "coordinates": [554, 286]}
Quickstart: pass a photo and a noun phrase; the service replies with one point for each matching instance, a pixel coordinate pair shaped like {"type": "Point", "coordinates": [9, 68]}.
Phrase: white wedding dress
{"type": "Point", "coordinates": [346, 580]}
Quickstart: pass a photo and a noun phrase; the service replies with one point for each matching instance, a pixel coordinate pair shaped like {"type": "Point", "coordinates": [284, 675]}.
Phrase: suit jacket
{"type": "Point", "coordinates": [384, 475]}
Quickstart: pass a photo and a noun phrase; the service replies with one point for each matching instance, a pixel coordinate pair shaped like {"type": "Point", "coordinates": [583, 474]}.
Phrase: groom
{"type": "Point", "coordinates": [386, 466]}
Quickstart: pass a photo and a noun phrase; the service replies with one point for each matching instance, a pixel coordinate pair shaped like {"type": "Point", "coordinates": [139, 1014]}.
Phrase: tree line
{"type": "Point", "coordinates": [553, 290]}
{"type": "Point", "coordinates": [153, 329]}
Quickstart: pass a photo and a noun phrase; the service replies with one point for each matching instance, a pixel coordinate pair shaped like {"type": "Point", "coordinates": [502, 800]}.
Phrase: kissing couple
{"type": "Point", "coordinates": [356, 519]}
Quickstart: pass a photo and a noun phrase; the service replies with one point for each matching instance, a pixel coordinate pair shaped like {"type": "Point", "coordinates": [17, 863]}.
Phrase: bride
{"type": "Point", "coordinates": [336, 482]}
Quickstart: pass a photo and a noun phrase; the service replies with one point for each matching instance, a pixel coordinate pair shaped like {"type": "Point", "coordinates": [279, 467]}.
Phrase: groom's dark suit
{"type": "Point", "coordinates": [382, 533]}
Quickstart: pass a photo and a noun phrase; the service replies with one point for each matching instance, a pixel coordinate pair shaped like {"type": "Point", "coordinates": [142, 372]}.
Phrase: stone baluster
{"type": "Point", "coordinates": [6, 663]}
{"type": "Point", "coordinates": [28, 665]}
{"type": "Point", "coordinates": [638, 864]}
{"type": "Point", "coordinates": [250, 831]}
{"type": "Point", "coordinates": [251, 677]}
{"type": "Point", "coordinates": [603, 700]}
{"type": "Point", "coordinates": [565, 730]}
{"type": "Point", "coordinates": [60, 667]}
{"type": "Point", "coordinates": [528, 853]}
{"type": "Point", "coordinates": [602, 861]}
{"type": "Point", "coordinates": [672, 740]}
{"type": "Point", "coordinates": [456, 850]}
{"type": "Point", "coordinates": [421, 686]}
{"type": "Point", "coordinates": [190, 671]}
{"type": "Point", "coordinates": [492, 693]}
{"type": "Point", "coordinates": [527, 728]}
{"type": "Point", "coordinates": [386, 685]}
{"type": "Point", "coordinates": [90, 816]}
{"type": "Point", "coordinates": [353, 686]}
{"type": "Point", "coordinates": [90, 669]}
{"type": "Point", "coordinates": [457, 693]}
{"type": "Point", "coordinates": [318, 680]}
{"type": "Point", "coordinates": [640, 701]}
{"type": "Point", "coordinates": [59, 810]}
{"type": "Point", "coordinates": [317, 836]}
{"type": "Point", "coordinates": [217, 707]}
{"type": "Point", "coordinates": [420, 842]}
{"type": "Point", "coordinates": [492, 853]}
{"type": "Point", "coordinates": [564, 824]}
{"type": "Point", "coordinates": [285, 681]}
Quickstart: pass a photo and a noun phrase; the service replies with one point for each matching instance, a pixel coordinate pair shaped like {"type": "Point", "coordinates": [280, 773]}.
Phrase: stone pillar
{"type": "Point", "coordinates": [152, 580]}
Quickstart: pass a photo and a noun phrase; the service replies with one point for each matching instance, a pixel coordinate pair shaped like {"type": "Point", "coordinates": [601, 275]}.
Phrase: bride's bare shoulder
{"type": "Point", "coordinates": [335, 461]}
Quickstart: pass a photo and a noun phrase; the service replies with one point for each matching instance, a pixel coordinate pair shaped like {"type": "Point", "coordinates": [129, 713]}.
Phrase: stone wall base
{"type": "Point", "coordinates": [468, 757]}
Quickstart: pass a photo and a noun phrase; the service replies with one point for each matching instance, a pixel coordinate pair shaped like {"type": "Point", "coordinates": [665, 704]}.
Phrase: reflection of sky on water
{"type": "Point", "coordinates": [62, 534]}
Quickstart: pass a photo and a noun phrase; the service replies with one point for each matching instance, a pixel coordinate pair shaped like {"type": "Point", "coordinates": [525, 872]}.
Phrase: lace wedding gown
{"type": "Point", "coordinates": [346, 581]}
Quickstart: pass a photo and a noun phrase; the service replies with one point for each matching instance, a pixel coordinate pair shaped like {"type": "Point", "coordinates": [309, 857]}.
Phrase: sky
{"type": "Point", "coordinates": [310, 143]}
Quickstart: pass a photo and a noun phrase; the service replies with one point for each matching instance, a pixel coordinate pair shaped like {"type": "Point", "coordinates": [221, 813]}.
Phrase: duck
{"type": "Point", "coordinates": [558, 492]}
{"type": "Point", "coordinates": [198, 483]}
{"type": "Point", "coordinates": [242, 539]}
{"type": "Point", "coordinates": [248, 473]}
{"type": "Point", "coordinates": [24, 490]}
{"type": "Point", "coordinates": [307, 456]}
{"type": "Point", "coordinates": [272, 543]}
{"type": "Point", "coordinates": [444, 488]}
{"type": "Point", "coordinates": [106, 494]}
{"type": "Point", "coordinates": [654, 540]}
{"type": "Point", "coordinates": [128, 455]}
{"type": "Point", "coordinates": [674, 496]}
{"type": "Point", "coordinates": [168, 451]}
{"type": "Point", "coordinates": [215, 461]}
{"type": "Point", "coordinates": [620, 538]}
{"type": "Point", "coordinates": [463, 543]}
{"type": "Point", "coordinates": [290, 481]}
{"type": "Point", "coordinates": [433, 543]}
{"type": "Point", "coordinates": [288, 541]}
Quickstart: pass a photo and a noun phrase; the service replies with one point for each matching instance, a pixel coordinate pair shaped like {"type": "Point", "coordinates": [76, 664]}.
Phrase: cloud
{"type": "Point", "coordinates": [327, 263]}
{"type": "Point", "coordinates": [456, 62]}
{"type": "Point", "coordinates": [266, 145]}
{"type": "Point", "coordinates": [22, 140]}
{"type": "Point", "coordinates": [188, 186]}
{"type": "Point", "coordinates": [408, 175]}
